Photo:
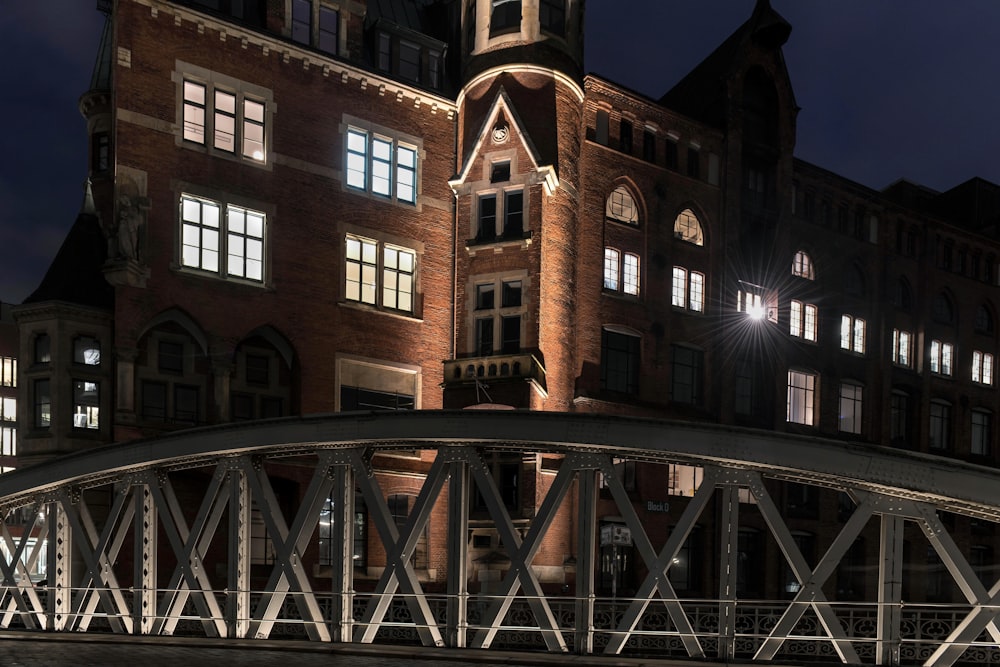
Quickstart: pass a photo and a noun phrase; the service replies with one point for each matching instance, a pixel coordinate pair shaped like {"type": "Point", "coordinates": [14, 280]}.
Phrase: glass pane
{"type": "Point", "coordinates": [255, 224]}
{"type": "Point", "coordinates": [210, 215]}
{"type": "Point", "coordinates": [190, 210]}
{"type": "Point", "coordinates": [210, 260]}
{"type": "Point", "coordinates": [353, 249]}
{"type": "Point", "coordinates": [406, 262]}
{"type": "Point", "coordinates": [368, 254]}
{"type": "Point", "coordinates": [391, 258]}
{"type": "Point", "coordinates": [225, 102]}
{"type": "Point", "coordinates": [253, 111]}
{"type": "Point", "coordinates": [194, 92]}
{"type": "Point", "coordinates": [236, 220]}
{"type": "Point", "coordinates": [382, 150]}
{"type": "Point", "coordinates": [210, 240]}
{"type": "Point", "coordinates": [254, 250]}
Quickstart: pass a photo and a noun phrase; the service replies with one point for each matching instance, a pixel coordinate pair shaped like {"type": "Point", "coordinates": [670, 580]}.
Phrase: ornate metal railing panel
{"type": "Point", "coordinates": [137, 504]}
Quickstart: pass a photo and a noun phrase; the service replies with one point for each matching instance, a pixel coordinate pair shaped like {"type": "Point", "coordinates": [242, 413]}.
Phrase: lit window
{"type": "Point", "coordinates": [381, 166]}
{"type": "Point", "coordinates": [802, 266]}
{"type": "Point", "coordinates": [86, 401]}
{"type": "Point", "coordinates": [237, 121]}
{"type": "Point", "coordinates": [621, 206]}
{"type": "Point", "coordinates": [941, 356]}
{"type": "Point", "coordinates": [852, 334]}
{"type": "Point", "coordinates": [505, 17]}
{"type": "Point", "coordinates": [398, 268]}
{"type": "Point", "coordinates": [8, 409]}
{"type": "Point", "coordinates": [8, 441]}
{"type": "Point", "coordinates": [688, 290]}
{"type": "Point", "coordinates": [505, 317]}
{"type": "Point", "coordinates": [901, 347]}
{"type": "Point", "coordinates": [982, 432]}
{"type": "Point", "coordinates": [8, 372]}
{"type": "Point", "coordinates": [87, 351]}
{"type": "Point", "coordinates": [619, 362]}
{"type": "Point", "coordinates": [801, 397]}
{"type": "Point", "coordinates": [203, 244]}
{"type": "Point", "coordinates": [802, 320]}
{"type": "Point", "coordinates": [621, 272]}
{"type": "Point", "coordinates": [850, 408]}
{"type": "Point", "coordinates": [982, 367]}
{"type": "Point", "coordinates": [687, 228]}
{"type": "Point", "coordinates": [757, 302]}
{"type": "Point", "coordinates": [939, 436]}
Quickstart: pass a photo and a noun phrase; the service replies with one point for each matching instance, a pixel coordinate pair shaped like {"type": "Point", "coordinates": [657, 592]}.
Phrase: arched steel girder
{"type": "Point", "coordinates": [896, 485]}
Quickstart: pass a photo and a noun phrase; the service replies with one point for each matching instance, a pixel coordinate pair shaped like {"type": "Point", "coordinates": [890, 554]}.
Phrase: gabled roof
{"type": "Point", "coordinates": [502, 106]}
{"type": "Point", "coordinates": [702, 94]}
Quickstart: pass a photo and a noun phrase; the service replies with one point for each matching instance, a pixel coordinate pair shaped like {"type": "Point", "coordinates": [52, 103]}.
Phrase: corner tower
{"type": "Point", "coordinates": [520, 114]}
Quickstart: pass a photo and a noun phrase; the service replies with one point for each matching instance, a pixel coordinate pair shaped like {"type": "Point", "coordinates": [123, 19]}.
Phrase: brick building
{"type": "Point", "coordinates": [308, 206]}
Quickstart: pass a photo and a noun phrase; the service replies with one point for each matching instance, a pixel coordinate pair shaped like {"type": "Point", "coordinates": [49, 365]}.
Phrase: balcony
{"type": "Point", "coordinates": [520, 366]}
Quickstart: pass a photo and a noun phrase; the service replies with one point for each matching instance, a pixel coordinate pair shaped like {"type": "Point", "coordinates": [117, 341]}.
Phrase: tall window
{"type": "Point", "coordinates": [43, 349]}
{"type": "Point", "coordinates": [801, 397]}
{"type": "Point", "coordinates": [940, 425]}
{"type": "Point", "coordinates": [381, 165]}
{"type": "Point", "coordinates": [498, 322]}
{"type": "Point", "coordinates": [982, 367]}
{"type": "Point", "coordinates": [984, 320]}
{"type": "Point", "coordinates": [686, 370]}
{"type": "Point", "coordinates": [802, 320]}
{"type": "Point", "coordinates": [687, 228]}
{"type": "Point", "coordinates": [982, 432]}
{"type": "Point", "coordinates": [205, 242]}
{"type": "Point", "coordinates": [365, 260]}
{"type": "Point", "coordinates": [901, 348]}
{"type": "Point", "coordinates": [42, 404]}
{"type": "Point", "coordinates": [621, 207]}
{"type": "Point", "coordinates": [850, 408]}
{"type": "Point", "coordinates": [235, 121]}
{"type": "Point", "coordinates": [899, 416]}
{"type": "Point", "coordinates": [306, 29]}
{"type": "Point", "coordinates": [329, 545]}
{"type": "Point", "coordinates": [688, 290]}
{"type": "Point", "coordinates": [941, 357]}
{"type": "Point", "coordinates": [942, 310]}
{"type": "Point", "coordinates": [852, 334]}
{"type": "Point", "coordinates": [802, 266]}
{"type": "Point", "coordinates": [619, 362]}
{"type": "Point", "coordinates": [505, 17]}
{"type": "Point", "coordinates": [621, 272]}
{"type": "Point", "coordinates": [86, 402]}
{"type": "Point", "coordinates": [506, 223]}
{"type": "Point", "coordinates": [552, 16]}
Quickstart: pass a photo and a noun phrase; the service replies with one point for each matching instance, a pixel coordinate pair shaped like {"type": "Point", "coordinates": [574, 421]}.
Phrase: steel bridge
{"type": "Point", "coordinates": [47, 516]}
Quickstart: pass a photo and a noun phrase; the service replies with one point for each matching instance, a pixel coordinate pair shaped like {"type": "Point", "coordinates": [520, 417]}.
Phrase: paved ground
{"type": "Point", "coordinates": [19, 649]}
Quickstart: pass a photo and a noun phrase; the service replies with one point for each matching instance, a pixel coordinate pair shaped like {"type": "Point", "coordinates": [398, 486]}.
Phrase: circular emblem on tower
{"type": "Point", "coordinates": [500, 133]}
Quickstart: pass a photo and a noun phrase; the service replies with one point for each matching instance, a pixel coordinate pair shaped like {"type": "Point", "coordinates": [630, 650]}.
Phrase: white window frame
{"type": "Point", "coordinates": [203, 121]}
{"type": "Point", "coordinates": [240, 239]}
{"type": "Point", "coordinates": [621, 271]}
{"type": "Point", "coordinates": [688, 228]}
{"type": "Point", "coordinates": [852, 334]}
{"type": "Point", "coordinates": [802, 320]}
{"type": "Point", "coordinates": [902, 347]}
{"type": "Point", "coordinates": [802, 266]}
{"type": "Point", "coordinates": [688, 290]}
{"type": "Point", "coordinates": [801, 403]}
{"type": "Point", "coordinates": [941, 357]}
{"type": "Point", "coordinates": [381, 163]}
{"type": "Point", "coordinates": [380, 274]}
{"type": "Point", "coordinates": [982, 367]}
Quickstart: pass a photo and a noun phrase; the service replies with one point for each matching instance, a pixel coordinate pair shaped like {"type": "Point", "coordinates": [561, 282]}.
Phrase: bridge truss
{"type": "Point", "coordinates": [155, 529]}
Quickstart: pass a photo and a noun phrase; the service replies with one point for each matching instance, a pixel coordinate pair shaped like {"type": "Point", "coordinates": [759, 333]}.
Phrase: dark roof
{"type": "Point", "coordinates": [702, 94]}
{"type": "Point", "coordinates": [101, 77]}
{"type": "Point", "coordinates": [75, 274]}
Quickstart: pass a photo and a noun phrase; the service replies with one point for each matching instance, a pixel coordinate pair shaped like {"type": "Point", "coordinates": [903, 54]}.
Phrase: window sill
{"type": "Point", "coordinates": [210, 275]}
{"type": "Point", "coordinates": [398, 314]}
{"type": "Point", "coordinates": [499, 243]}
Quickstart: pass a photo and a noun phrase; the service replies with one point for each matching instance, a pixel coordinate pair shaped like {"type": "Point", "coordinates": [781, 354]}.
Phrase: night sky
{"type": "Point", "coordinates": [888, 89]}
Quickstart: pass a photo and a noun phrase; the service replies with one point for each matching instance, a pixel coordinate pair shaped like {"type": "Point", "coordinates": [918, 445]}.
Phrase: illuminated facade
{"type": "Point", "coordinates": [315, 206]}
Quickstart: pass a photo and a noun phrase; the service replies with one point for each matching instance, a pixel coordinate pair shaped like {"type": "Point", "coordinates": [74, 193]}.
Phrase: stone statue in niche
{"type": "Point", "coordinates": [131, 224]}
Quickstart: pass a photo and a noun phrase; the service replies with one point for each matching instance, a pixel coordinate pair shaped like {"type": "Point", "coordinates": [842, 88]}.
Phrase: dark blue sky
{"type": "Point", "coordinates": [888, 89]}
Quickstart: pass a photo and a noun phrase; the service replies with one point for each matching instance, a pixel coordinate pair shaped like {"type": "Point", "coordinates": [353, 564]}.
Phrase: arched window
{"type": "Point", "coordinates": [943, 312]}
{"type": "Point", "coordinates": [621, 206]}
{"type": "Point", "coordinates": [902, 297]}
{"type": "Point", "coordinates": [984, 320]}
{"type": "Point", "coordinates": [687, 228]}
{"type": "Point", "coordinates": [802, 266]}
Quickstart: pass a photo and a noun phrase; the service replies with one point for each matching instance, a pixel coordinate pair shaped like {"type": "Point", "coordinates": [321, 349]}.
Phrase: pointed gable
{"type": "Point", "coordinates": [502, 124]}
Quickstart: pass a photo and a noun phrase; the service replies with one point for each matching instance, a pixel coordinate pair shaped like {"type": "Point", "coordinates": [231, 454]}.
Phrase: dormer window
{"type": "Point", "coordinates": [418, 62]}
{"type": "Point", "coordinates": [505, 17]}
